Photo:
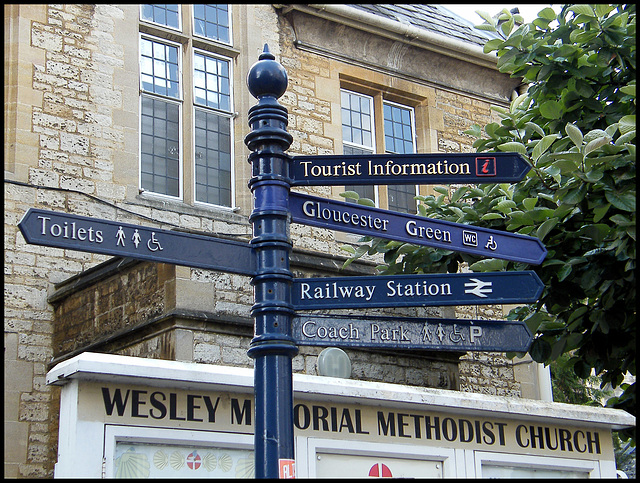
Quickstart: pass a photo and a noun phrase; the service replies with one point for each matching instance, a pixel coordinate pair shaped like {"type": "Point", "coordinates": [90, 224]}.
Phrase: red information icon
{"type": "Point", "coordinates": [380, 470]}
{"type": "Point", "coordinates": [486, 166]}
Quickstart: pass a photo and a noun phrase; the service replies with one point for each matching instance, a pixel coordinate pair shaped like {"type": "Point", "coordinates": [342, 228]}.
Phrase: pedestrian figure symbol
{"type": "Point", "coordinates": [120, 236]}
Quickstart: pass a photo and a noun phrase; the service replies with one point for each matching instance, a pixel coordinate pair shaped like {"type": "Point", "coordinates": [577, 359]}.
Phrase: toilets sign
{"type": "Point", "coordinates": [63, 230]}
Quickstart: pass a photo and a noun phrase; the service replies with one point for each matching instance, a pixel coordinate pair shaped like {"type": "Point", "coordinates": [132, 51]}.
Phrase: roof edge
{"type": "Point", "coordinates": [409, 34]}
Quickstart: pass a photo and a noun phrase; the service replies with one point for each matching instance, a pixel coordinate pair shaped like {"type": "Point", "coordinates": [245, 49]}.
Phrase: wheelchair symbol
{"type": "Point", "coordinates": [153, 244]}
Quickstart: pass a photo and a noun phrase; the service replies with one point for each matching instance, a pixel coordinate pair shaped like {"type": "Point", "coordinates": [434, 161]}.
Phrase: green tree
{"type": "Point", "coordinates": [576, 126]}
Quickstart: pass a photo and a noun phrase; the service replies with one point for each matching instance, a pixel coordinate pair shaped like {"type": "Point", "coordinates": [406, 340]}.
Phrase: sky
{"type": "Point", "coordinates": [527, 10]}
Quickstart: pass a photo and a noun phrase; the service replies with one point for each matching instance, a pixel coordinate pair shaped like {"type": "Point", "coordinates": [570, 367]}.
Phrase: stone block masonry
{"type": "Point", "coordinates": [62, 102]}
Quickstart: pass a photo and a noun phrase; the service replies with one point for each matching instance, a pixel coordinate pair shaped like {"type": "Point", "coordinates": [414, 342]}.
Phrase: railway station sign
{"type": "Point", "coordinates": [419, 230]}
{"type": "Point", "coordinates": [82, 233]}
{"type": "Point", "coordinates": [434, 168]}
{"type": "Point", "coordinates": [411, 333]}
{"type": "Point", "coordinates": [416, 290]}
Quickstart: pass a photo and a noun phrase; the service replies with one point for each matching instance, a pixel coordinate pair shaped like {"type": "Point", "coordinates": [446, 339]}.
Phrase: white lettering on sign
{"type": "Point", "coordinates": [413, 229]}
{"type": "Point", "coordinates": [398, 334]}
{"type": "Point", "coordinates": [74, 231]}
{"type": "Point", "coordinates": [313, 210]}
{"type": "Point", "coordinates": [391, 168]}
{"type": "Point", "coordinates": [418, 289]}
{"type": "Point", "coordinates": [70, 231]}
{"type": "Point", "coordinates": [328, 171]}
{"type": "Point", "coordinates": [388, 168]}
{"type": "Point", "coordinates": [334, 291]}
{"type": "Point", "coordinates": [312, 330]}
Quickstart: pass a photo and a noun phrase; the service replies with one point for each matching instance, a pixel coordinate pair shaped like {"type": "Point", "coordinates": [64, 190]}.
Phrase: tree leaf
{"type": "Point", "coordinates": [545, 228]}
{"type": "Point", "coordinates": [366, 202]}
{"type": "Point", "coordinates": [513, 147]}
{"type": "Point", "coordinates": [582, 9]}
{"type": "Point", "coordinates": [540, 350]}
{"type": "Point", "coordinates": [627, 123]}
{"type": "Point", "coordinates": [350, 195]}
{"type": "Point", "coordinates": [595, 144]}
{"type": "Point", "coordinates": [547, 13]}
{"type": "Point", "coordinates": [551, 110]}
{"type": "Point", "coordinates": [530, 203]}
{"type": "Point", "coordinates": [542, 146]}
{"type": "Point", "coordinates": [624, 201]}
{"type": "Point", "coordinates": [488, 265]}
{"type": "Point", "coordinates": [492, 45]}
{"type": "Point", "coordinates": [574, 133]}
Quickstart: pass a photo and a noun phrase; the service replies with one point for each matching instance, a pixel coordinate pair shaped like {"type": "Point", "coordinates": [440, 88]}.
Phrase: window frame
{"type": "Point", "coordinates": [412, 120]}
{"type": "Point", "coordinates": [188, 44]}
{"type": "Point", "coordinates": [179, 101]}
{"type": "Point", "coordinates": [221, 113]}
{"type": "Point", "coordinates": [372, 107]}
{"type": "Point", "coordinates": [209, 39]}
{"type": "Point", "coordinates": [151, 22]}
{"type": "Point", "coordinates": [377, 104]}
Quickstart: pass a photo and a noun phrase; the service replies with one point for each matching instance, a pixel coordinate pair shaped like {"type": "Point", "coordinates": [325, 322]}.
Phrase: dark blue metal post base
{"type": "Point", "coordinates": [273, 347]}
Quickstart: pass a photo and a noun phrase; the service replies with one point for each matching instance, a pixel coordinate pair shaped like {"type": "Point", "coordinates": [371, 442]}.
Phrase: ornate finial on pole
{"type": "Point", "coordinates": [267, 77]}
{"type": "Point", "coordinates": [273, 347]}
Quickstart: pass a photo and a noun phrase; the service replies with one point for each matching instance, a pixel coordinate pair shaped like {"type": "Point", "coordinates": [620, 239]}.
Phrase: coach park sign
{"type": "Point", "coordinates": [280, 300]}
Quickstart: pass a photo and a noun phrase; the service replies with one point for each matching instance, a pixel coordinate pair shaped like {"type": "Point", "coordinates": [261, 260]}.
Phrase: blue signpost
{"type": "Point", "coordinates": [419, 230]}
{"type": "Point", "coordinates": [433, 168]}
{"type": "Point", "coordinates": [411, 333]}
{"type": "Point", "coordinates": [82, 233]}
{"type": "Point", "coordinates": [272, 348]}
{"type": "Point", "coordinates": [278, 330]}
{"type": "Point", "coordinates": [438, 289]}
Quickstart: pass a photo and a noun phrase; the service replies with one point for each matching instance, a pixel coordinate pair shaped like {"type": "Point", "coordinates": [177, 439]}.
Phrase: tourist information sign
{"type": "Point", "coordinates": [416, 290]}
{"type": "Point", "coordinates": [419, 230]}
{"type": "Point", "coordinates": [411, 333]}
{"type": "Point", "coordinates": [435, 168]}
{"type": "Point", "coordinates": [63, 230]}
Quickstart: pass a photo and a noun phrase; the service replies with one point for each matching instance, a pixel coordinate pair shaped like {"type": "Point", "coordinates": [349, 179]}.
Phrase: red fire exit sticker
{"type": "Point", "coordinates": [287, 468]}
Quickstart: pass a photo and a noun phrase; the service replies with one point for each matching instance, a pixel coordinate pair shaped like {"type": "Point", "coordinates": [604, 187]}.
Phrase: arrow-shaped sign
{"type": "Point", "coordinates": [419, 230]}
{"type": "Point", "coordinates": [437, 289]}
{"type": "Point", "coordinates": [63, 230]}
{"type": "Point", "coordinates": [412, 333]}
{"type": "Point", "coordinates": [433, 168]}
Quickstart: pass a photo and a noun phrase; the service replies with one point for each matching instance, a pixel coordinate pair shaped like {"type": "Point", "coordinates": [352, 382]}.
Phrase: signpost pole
{"type": "Point", "coordinates": [272, 347]}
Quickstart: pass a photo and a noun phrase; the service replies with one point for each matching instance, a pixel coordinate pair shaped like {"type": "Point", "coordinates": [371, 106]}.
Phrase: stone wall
{"type": "Point", "coordinates": [62, 136]}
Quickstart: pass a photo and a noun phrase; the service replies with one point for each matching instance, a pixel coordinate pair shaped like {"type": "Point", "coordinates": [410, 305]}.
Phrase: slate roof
{"type": "Point", "coordinates": [434, 18]}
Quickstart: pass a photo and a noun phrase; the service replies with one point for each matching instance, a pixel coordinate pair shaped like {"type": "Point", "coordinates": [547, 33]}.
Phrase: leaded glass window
{"type": "Point", "coordinates": [399, 139]}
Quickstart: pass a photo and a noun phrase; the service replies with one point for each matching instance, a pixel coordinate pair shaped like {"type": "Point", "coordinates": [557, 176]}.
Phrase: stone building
{"type": "Point", "coordinates": [138, 113]}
